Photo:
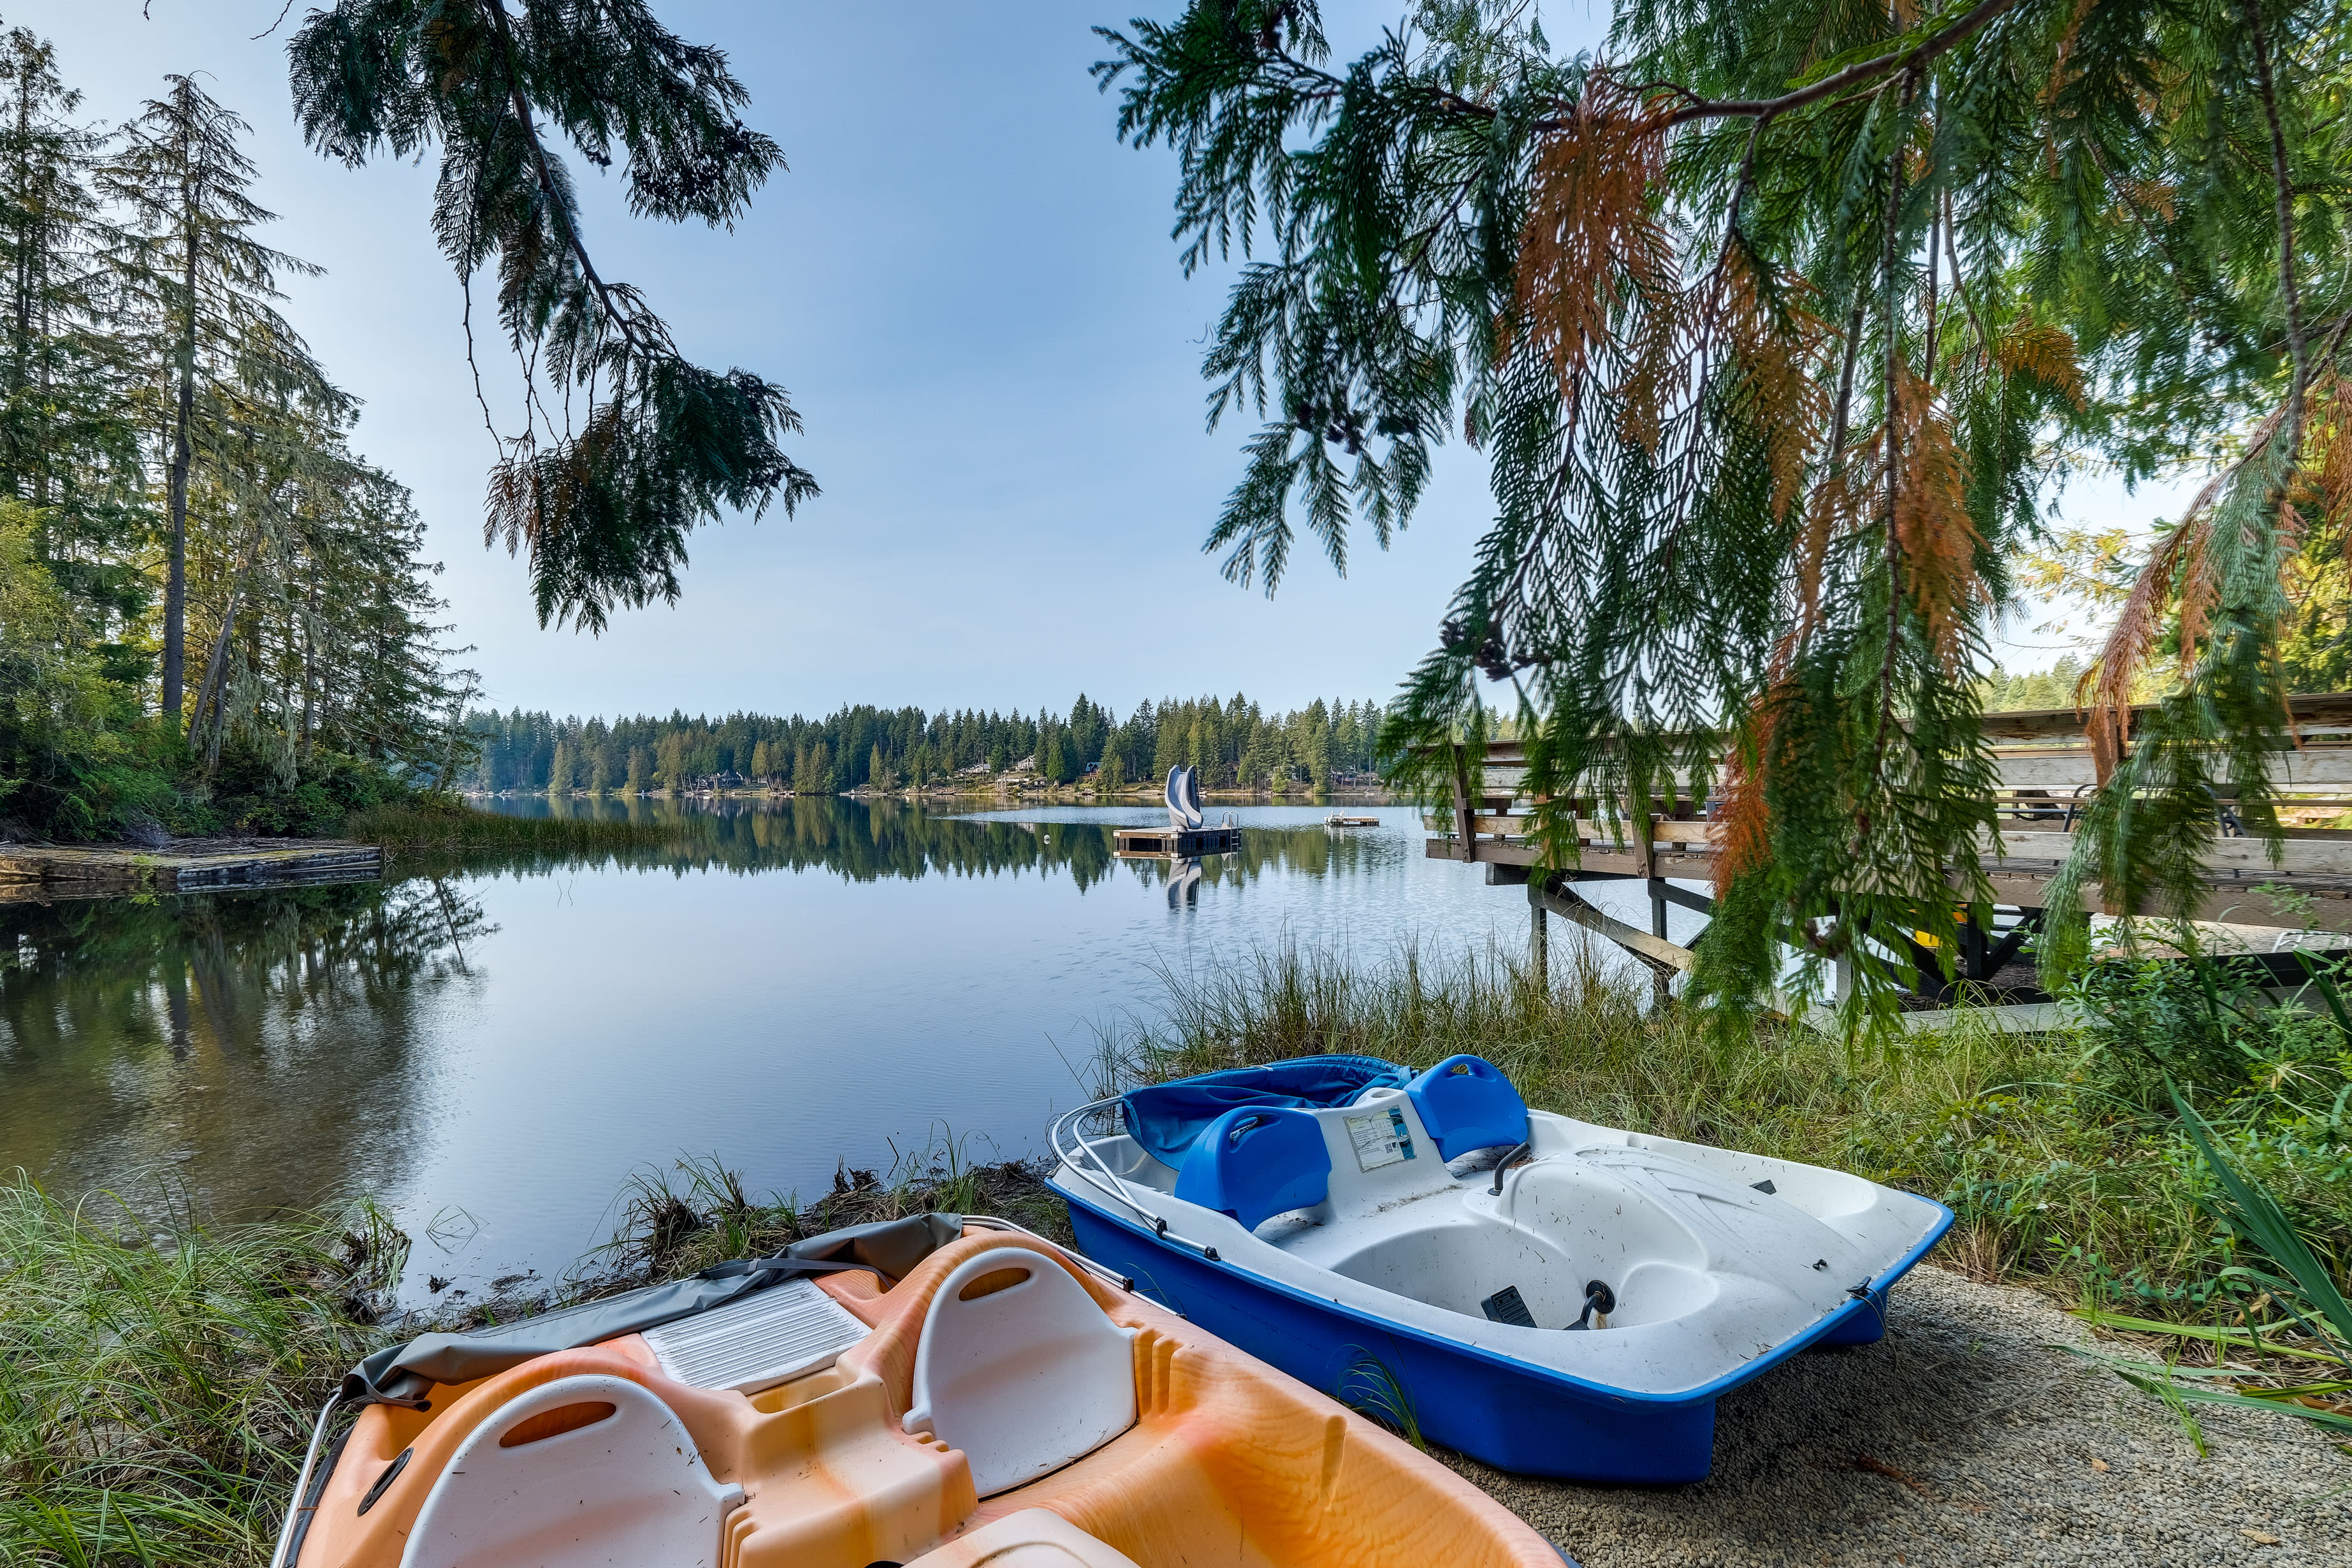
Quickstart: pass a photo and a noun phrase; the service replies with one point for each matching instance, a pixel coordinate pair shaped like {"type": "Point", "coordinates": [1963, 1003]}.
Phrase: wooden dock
{"type": "Point", "coordinates": [1176, 843]}
{"type": "Point", "coordinates": [43, 873]}
{"type": "Point", "coordinates": [2045, 773]}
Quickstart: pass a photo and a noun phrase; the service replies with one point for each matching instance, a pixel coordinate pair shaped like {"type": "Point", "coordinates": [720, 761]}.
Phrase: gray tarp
{"type": "Point", "coordinates": [398, 1375]}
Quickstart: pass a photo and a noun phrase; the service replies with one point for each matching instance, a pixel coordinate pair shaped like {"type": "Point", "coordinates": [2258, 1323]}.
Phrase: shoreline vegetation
{"type": "Point", "coordinates": [157, 1374]}
{"type": "Point", "coordinates": [443, 826]}
{"type": "Point", "coordinates": [1023, 788]}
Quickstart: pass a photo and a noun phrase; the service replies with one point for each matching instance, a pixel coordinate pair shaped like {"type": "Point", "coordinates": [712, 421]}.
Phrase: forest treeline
{"type": "Point", "coordinates": [2026, 691]}
{"type": "Point", "coordinates": [1234, 742]}
{"type": "Point", "coordinates": [211, 611]}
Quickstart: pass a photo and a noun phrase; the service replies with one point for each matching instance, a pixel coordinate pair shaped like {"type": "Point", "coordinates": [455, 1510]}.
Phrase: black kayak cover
{"type": "Point", "coordinates": [399, 1374]}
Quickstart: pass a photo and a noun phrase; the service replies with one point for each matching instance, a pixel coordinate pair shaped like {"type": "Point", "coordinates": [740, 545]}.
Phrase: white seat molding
{"type": "Point", "coordinates": [626, 1491]}
{"type": "Point", "coordinates": [1025, 1375]}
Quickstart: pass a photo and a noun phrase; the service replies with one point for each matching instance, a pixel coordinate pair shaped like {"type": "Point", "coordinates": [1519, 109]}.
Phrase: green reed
{"type": "Point", "coordinates": [432, 827]}
{"type": "Point", "coordinates": [677, 1219]}
{"type": "Point", "coordinates": [158, 1379]}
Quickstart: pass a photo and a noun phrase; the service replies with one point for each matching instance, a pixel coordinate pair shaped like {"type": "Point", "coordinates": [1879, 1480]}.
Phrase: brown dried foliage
{"type": "Point", "coordinates": [2061, 64]}
{"type": "Point", "coordinates": [1593, 246]}
{"type": "Point", "coordinates": [2328, 430]}
{"type": "Point", "coordinates": [1778, 348]}
{"type": "Point", "coordinates": [2046, 354]}
{"type": "Point", "coordinates": [1937, 538]}
{"type": "Point", "coordinates": [1746, 843]}
{"type": "Point", "coordinates": [2177, 573]}
{"type": "Point", "coordinates": [1830, 510]}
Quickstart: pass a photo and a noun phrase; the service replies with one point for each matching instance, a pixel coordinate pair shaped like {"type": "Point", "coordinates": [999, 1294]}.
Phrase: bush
{"type": "Point", "coordinates": [2208, 1025]}
{"type": "Point", "coordinates": [249, 792]}
{"type": "Point", "coordinates": [67, 766]}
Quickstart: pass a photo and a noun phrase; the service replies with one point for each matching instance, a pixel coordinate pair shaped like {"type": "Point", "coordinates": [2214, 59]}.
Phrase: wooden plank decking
{"type": "Point", "coordinates": [1178, 843]}
{"type": "Point", "coordinates": [40, 873]}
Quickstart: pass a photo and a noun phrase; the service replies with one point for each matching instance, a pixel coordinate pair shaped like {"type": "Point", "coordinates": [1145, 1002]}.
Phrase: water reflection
{"type": "Point", "coordinates": [172, 1039]}
{"type": "Point", "coordinates": [867, 841]}
{"type": "Point", "coordinates": [490, 1047]}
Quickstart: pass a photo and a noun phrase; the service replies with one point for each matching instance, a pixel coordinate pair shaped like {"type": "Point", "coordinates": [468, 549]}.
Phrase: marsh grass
{"type": "Point", "coordinates": [434, 828]}
{"type": "Point", "coordinates": [158, 1379]}
{"type": "Point", "coordinates": [676, 1220]}
{"type": "Point", "coordinates": [2056, 1182]}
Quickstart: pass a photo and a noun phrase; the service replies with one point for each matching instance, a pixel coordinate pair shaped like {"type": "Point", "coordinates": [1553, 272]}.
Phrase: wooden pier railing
{"type": "Point", "coordinates": [2045, 771]}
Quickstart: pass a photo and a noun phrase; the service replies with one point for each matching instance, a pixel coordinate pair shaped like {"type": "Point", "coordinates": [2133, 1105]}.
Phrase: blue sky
{"type": "Point", "coordinates": [968, 287]}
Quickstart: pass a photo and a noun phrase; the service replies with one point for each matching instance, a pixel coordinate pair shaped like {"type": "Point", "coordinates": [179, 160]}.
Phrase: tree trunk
{"type": "Point", "coordinates": [175, 582]}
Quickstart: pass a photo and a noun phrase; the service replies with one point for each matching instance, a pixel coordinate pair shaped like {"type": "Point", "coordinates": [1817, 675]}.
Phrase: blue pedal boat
{"type": "Point", "coordinates": [1548, 1295]}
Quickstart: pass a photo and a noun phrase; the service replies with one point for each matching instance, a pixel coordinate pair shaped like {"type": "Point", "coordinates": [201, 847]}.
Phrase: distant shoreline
{"type": "Point", "coordinates": [1056, 794]}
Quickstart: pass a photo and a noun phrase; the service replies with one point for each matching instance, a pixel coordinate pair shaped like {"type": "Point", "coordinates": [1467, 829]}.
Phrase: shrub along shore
{"type": "Point", "coordinates": [158, 1375]}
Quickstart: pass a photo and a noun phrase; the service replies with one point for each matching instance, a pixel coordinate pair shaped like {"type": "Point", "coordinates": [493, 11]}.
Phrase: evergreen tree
{"type": "Point", "coordinates": [558, 769]}
{"type": "Point", "coordinates": [69, 437]}
{"type": "Point", "coordinates": [812, 774]}
{"type": "Point", "coordinates": [60, 737]}
{"type": "Point", "coordinates": [641, 770]}
{"type": "Point", "coordinates": [1771, 326]}
{"type": "Point", "coordinates": [604, 509]}
{"type": "Point", "coordinates": [213, 340]}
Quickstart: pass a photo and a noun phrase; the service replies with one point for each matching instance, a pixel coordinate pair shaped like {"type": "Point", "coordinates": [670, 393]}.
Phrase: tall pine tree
{"type": "Point", "coordinates": [203, 285]}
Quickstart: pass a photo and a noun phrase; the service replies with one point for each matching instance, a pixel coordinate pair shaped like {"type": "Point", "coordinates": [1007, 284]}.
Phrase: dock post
{"type": "Point", "coordinates": [1538, 936]}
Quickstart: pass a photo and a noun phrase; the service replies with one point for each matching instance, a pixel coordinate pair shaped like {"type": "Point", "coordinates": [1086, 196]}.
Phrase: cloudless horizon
{"type": "Point", "coordinates": [968, 286]}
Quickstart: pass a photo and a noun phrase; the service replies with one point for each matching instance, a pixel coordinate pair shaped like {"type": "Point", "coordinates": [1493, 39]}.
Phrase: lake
{"type": "Point", "coordinates": [490, 1052]}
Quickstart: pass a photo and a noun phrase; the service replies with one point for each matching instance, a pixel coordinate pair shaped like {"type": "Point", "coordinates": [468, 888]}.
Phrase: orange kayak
{"type": "Point", "coordinates": [1003, 1404]}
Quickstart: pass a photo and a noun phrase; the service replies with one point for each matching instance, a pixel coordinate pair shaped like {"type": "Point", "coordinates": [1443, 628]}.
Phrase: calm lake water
{"type": "Point", "coordinates": [491, 1053]}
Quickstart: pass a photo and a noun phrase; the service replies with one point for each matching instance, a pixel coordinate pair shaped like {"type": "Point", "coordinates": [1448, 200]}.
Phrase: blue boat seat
{"type": "Point", "coordinates": [1167, 1117]}
{"type": "Point", "coordinates": [1255, 1162]}
{"type": "Point", "coordinates": [1466, 1103]}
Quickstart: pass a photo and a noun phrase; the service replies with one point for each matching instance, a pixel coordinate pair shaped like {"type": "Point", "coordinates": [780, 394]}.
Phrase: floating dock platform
{"type": "Point", "coordinates": [41, 873]}
{"type": "Point", "coordinates": [1177, 842]}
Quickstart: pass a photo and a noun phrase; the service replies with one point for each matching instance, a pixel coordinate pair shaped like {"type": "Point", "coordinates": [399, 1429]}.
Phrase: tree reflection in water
{"type": "Point", "coordinates": [258, 1050]}
{"type": "Point", "coordinates": [267, 1039]}
{"type": "Point", "coordinates": [871, 840]}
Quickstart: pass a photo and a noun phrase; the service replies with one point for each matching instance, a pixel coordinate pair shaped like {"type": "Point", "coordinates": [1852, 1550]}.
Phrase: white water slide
{"type": "Point", "coordinates": [1184, 797]}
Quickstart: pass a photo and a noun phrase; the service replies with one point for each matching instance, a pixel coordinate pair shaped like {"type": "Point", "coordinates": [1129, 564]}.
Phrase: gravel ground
{"type": "Point", "coordinates": [1962, 1437]}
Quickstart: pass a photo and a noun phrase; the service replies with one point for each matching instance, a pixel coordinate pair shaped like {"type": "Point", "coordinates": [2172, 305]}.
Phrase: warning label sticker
{"type": "Point", "coordinates": [1380, 1139]}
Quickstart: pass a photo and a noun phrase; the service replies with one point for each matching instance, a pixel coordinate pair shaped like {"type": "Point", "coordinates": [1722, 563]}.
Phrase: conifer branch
{"type": "Point", "coordinates": [495, 12]}
{"type": "Point", "coordinates": [1960, 283]}
{"type": "Point", "coordinates": [2283, 193]}
{"type": "Point", "coordinates": [1915, 59]}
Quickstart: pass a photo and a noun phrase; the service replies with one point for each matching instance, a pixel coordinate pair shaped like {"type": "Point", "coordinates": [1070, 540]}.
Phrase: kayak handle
{"type": "Point", "coordinates": [989, 1222]}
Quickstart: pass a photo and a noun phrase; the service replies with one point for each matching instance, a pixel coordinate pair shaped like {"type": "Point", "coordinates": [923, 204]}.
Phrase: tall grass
{"type": "Point", "coordinates": [429, 826]}
{"type": "Point", "coordinates": [2056, 1180]}
{"type": "Point", "coordinates": [678, 1219]}
{"type": "Point", "coordinates": [158, 1380]}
